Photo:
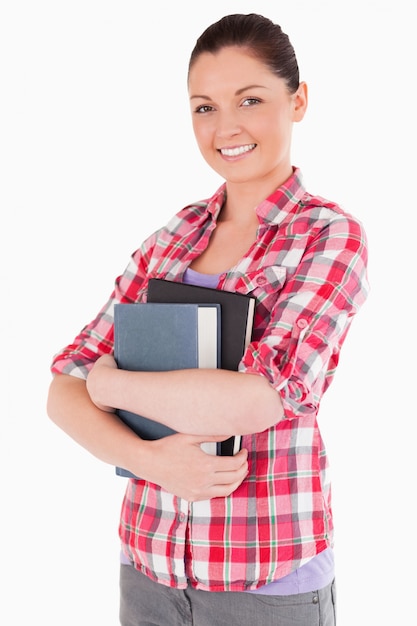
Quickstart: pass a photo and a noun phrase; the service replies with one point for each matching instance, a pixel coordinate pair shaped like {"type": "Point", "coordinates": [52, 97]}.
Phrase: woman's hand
{"type": "Point", "coordinates": [178, 464]}
{"type": "Point", "coordinates": [99, 377]}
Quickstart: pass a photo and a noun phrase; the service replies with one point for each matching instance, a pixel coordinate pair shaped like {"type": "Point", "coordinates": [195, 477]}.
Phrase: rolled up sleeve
{"type": "Point", "coordinates": [299, 350]}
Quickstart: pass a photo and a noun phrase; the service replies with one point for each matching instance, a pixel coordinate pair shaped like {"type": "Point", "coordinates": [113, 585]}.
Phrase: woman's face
{"type": "Point", "coordinates": [243, 115]}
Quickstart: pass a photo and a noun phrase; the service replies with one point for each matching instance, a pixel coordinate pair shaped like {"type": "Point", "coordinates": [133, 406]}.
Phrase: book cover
{"type": "Point", "coordinates": [237, 315]}
{"type": "Point", "coordinates": [162, 337]}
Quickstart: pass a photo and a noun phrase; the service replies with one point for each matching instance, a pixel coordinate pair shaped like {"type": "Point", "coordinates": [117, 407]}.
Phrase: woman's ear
{"type": "Point", "coordinates": [300, 102]}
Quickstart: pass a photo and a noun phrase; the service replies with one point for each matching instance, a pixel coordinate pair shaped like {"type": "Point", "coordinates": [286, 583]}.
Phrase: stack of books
{"type": "Point", "coordinates": [181, 326]}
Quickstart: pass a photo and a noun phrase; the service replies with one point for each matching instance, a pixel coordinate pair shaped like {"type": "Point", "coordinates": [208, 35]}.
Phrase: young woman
{"type": "Point", "coordinates": [246, 539]}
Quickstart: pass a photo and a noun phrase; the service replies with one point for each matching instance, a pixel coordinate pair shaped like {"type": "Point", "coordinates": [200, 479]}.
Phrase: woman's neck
{"type": "Point", "coordinates": [243, 198]}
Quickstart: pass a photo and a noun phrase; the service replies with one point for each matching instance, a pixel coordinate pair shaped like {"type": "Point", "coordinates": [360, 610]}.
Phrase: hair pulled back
{"type": "Point", "coordinates": [259, 36]}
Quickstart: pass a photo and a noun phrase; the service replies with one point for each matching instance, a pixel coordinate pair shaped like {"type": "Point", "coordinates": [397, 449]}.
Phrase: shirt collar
{"type": "Point", "coordinates": [275, 208]}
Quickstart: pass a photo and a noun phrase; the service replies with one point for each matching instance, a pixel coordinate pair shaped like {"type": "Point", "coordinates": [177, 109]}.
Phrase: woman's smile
{"type": "Point", "coordinates": [237, 151]}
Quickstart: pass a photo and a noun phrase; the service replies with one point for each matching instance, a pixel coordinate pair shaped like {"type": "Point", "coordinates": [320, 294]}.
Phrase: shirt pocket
{"type": "Point", "coordinates": [266, 283]}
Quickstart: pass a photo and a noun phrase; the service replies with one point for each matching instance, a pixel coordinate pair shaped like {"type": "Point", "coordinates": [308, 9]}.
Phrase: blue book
{"type": "Point", "coordinates": [158, 337]}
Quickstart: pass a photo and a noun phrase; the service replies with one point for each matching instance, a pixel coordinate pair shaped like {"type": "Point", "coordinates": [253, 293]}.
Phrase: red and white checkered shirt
{"type": "Point", "coordinates": [308, 272]}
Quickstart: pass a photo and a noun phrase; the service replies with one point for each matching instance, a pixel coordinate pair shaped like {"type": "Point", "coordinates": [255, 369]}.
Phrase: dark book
{"type": "Point", "coordinates": [237, 315]}
{"type": "Point", "coordinates": [158, 337]}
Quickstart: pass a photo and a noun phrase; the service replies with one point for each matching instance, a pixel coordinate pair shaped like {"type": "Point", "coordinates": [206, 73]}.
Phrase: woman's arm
{"type": "Point", "coordinates": [195, 401]}
{"type": "Point", "coordinates": [105, 436]}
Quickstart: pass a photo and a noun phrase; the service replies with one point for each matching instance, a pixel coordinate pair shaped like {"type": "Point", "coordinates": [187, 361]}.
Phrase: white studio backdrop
{"type": "Point", "coordinates": [96, 152]}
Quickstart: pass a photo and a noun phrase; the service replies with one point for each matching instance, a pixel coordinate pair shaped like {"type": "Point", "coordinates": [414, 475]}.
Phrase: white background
{"type": "Point", "coordinates": [96, 151]}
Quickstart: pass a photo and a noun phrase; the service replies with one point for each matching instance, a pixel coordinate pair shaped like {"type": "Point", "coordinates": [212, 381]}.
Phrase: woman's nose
{"type": "Point", "coordinates": [227, 124]}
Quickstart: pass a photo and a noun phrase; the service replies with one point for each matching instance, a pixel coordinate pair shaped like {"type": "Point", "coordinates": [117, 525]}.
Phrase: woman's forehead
{"type": "Point", "coordinates": [232, 64]}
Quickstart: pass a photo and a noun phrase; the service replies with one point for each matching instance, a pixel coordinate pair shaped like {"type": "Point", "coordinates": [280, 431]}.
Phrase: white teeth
{"type": "Point", "coordinates": [236, 151]}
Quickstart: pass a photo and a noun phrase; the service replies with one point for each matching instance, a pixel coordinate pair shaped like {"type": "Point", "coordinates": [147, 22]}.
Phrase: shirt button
{"type": "Point", "coordinates": [181, 517]}
{"type": "Point", "coordinates": [315, 599]}
{"type": "Point", "coordinates": [261, 280]}
{"type": "Point", "coordinates": [302, 323]}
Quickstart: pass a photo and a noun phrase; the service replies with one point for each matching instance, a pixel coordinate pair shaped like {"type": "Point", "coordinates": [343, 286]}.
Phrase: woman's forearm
{"type": "Point", "coordinates": [196, 401]}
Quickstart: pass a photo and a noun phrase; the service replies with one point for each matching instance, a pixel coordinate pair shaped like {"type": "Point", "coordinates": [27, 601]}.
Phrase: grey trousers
{"type": "Point", "coordinates": [146, 603]}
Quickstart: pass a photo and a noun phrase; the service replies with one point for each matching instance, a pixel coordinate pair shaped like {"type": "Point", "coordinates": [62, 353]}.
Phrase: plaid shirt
{"type": "Point", "coordinates": [307, 270]}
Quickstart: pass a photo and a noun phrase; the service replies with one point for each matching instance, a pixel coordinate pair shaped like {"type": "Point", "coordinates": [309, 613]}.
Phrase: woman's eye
{"type": "Point", "coordinates": [205, 108]}
{"type": "Point", "coordinates": [250, 102]}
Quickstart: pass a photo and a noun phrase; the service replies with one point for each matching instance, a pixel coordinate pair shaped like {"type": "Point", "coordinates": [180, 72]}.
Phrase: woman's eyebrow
{"type": "Point", "coordinates": [237, 93]}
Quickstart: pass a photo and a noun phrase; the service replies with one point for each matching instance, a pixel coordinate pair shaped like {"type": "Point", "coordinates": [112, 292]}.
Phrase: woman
{"type": "Point", "coordinates": [244, 539]}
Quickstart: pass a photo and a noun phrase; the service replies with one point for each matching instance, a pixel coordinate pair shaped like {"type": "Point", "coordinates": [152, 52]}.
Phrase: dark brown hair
{"type": "Point", "coordinates": [259, 36]}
